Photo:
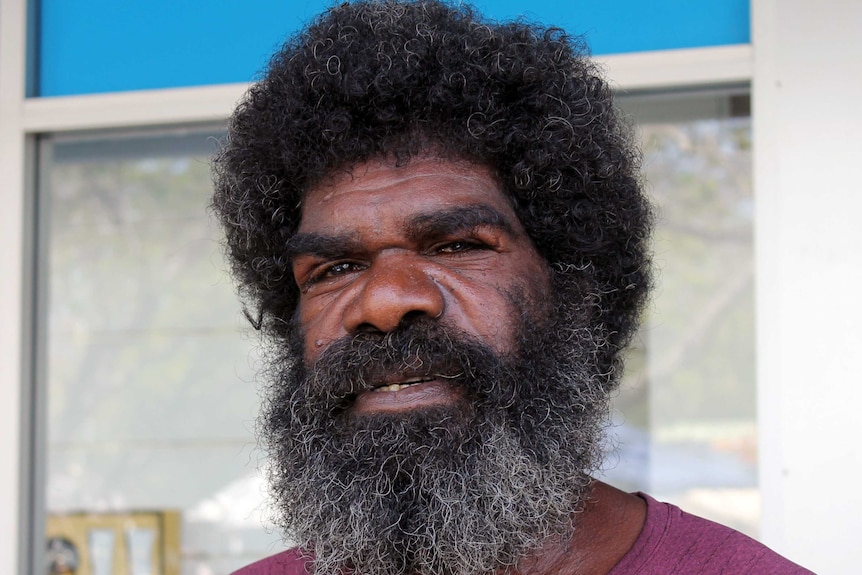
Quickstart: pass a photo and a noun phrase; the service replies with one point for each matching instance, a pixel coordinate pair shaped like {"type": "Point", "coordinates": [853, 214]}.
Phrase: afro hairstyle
{"type": "Point", "coordinates": [385, 78]}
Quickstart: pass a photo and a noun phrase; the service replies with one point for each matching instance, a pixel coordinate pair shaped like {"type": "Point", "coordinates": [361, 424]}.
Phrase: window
{"type": "Point", "coordinates": [150, 368]}
{"type": "Point", "coordinates": [150, 387]}
{"type": "Point", "coordinates": [687, 408]}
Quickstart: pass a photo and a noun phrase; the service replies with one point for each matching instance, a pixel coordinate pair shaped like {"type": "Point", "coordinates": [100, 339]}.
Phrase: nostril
{"type": "Point", "coordinates": [415, 316]}
{"type": "Point", "coordinates": [368, 329]}
{"type": "Point", "coordinates": [412, 316]}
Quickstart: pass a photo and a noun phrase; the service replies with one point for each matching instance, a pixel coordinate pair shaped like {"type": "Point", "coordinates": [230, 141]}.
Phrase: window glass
{"type": "Point", "coordinates": [687, 406]}
{"type": "Point", "coordinates": [151, 393]}
{"type": "Point", "coordinates": [150, 458]}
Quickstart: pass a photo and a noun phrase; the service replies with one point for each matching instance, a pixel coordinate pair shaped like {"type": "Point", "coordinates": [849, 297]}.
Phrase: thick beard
{"type": "Point", "coordinates": [451, 490]}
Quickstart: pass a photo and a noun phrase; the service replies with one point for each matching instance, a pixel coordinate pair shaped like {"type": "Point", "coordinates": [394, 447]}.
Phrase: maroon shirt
{"type": "Point", "coordinates": [672, 542]}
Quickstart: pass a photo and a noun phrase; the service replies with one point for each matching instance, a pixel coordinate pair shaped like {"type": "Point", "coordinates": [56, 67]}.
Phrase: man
{"type": "Point", "coordinates": [437, 225]}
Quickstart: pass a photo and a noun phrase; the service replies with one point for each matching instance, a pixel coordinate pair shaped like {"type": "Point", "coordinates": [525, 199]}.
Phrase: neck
{"type": "Point", "coordinates": [605, 529]}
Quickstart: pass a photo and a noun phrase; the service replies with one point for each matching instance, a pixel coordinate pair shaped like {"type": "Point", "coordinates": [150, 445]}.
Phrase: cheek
{"type": "Point", "coordinates": [493, 312]}
{"type": "Point", "coordinates": [318, 324]}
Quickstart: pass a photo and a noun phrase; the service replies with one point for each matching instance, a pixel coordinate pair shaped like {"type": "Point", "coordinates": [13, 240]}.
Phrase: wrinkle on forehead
{"type": "Point", "coordinates": [367, 175]}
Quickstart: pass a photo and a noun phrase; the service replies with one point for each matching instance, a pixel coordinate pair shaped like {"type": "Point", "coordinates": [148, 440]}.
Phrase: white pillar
{"type": "Point", "coordinates": [12, 298]}
{"type": "Point", "coordinates": [807, 114]}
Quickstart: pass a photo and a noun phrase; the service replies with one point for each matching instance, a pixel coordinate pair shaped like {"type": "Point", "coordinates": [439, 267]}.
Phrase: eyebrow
{"type": "Point", "coordinates": [320, 245]}
{"type": "Point", "coordinates": [438, 223]}
{"type": "Point", "coordinates": [456, 219]}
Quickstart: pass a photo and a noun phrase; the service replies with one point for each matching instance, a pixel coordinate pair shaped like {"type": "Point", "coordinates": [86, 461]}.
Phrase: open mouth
{"type": "Point", "coordinates": [409, 382]}
{"type": "Point", "coordinates": [409, 391]}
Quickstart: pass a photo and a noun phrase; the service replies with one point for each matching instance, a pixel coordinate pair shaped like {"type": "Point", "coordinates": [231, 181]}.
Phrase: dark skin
{"type": "Point", "coordinates": [381, 244]}
{"type": "Point", "coordinates": [604, 531]}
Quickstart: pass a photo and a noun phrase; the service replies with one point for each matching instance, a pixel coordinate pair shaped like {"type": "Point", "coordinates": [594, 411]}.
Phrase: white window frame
{"type": "Point", "coordinates": [22, 119]}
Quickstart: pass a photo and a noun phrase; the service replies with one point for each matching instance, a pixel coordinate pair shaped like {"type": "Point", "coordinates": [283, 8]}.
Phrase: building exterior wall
{"type": "Point", "coordinates": [806, 92]}
{"type": "Point", "coordinates": [103, 46]}
{"type": "Point", "coordinates": [802, 60]}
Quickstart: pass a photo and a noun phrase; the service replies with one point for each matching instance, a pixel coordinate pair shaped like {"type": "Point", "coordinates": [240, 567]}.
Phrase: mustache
{"type": "Point", "coordinates": [420, 349]}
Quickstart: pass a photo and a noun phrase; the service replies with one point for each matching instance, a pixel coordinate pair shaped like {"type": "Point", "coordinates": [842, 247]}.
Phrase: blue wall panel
{"type": "Point", "coordinates": [96, 46]}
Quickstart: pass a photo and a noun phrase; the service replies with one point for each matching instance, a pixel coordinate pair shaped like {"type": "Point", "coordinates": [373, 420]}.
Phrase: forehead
{"type": "Point", "coordinates": [379, 187]}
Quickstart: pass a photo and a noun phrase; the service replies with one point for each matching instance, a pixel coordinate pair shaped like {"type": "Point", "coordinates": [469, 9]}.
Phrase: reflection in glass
{"type": "Point", "coordinates": [62, 556]}
{"type": "Point", "coordinates": [150, 384]}
{"type": "Point", "coordinates": [100, 543]}
{"type": "Point", "coordinates": [139, 551]}
{"type": "Point", "coordinates": [688, 404]}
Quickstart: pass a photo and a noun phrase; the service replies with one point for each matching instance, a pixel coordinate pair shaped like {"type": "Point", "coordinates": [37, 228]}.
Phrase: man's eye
{"type": "Point", "coordinates": [457, 247]}
{"type": "Point", "coordinates": [335, 270]}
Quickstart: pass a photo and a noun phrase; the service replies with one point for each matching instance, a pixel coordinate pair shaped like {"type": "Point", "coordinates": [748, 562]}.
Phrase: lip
{"type": "Point", "coordinates": [407, 393]}
{"type": "Point", "coordinates": [405, 380]}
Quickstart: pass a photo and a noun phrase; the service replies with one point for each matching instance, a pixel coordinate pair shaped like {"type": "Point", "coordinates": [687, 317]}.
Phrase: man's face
{"type": "Point", "coordinates": [383, 245]}
{"type": "Point", "coordinates": [439, 408]}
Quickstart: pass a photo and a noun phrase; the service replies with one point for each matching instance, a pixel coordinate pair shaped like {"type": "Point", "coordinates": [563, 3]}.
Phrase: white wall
{"type": "Point", "coordinates": [807, 112]}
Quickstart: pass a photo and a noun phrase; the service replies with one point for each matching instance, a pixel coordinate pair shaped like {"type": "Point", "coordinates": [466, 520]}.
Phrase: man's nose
{"type": "Point", "coordinates": [393, 289]}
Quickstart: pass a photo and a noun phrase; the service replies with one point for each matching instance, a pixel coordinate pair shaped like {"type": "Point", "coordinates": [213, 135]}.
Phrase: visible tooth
{"type": "Point", "coordinates": [402, 385]}
{"type": "Point", "coordinates": [391, 387]}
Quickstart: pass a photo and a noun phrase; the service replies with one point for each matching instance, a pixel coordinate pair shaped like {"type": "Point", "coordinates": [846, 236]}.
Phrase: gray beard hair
{"type": "Point", "coordinates": [454, 490]}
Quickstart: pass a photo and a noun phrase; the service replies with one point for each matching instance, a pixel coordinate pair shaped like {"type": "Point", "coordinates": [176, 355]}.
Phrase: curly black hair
{"type": "Point", "coordinates": [386, 78]}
